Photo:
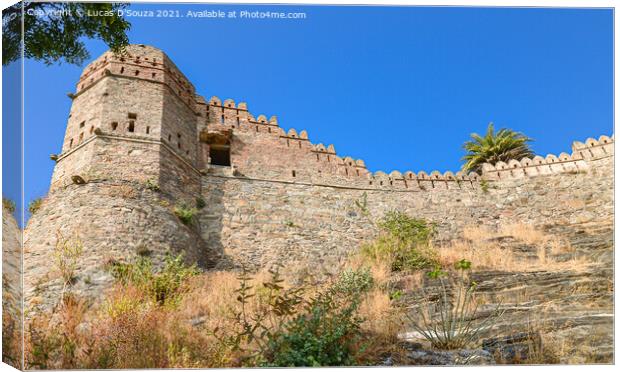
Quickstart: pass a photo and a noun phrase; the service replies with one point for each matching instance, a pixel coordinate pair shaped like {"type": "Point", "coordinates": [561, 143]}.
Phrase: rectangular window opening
{"type": "Point", "coordinates": [220, 155]}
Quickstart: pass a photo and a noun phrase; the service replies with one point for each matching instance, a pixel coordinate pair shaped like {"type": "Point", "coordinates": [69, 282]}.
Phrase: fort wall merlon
{"type": "Point", "coordinates": [579, 160]}
{"type": "Point", "coordinates": [143, 99]}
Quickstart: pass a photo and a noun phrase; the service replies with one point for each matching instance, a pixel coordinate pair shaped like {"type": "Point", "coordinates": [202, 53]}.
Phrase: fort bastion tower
{"type": "Point", "coordinates": [140, 144]}
{"type": "Point", "coordinates": [129, 155]}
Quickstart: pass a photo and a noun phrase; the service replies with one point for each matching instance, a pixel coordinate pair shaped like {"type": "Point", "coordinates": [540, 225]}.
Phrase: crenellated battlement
{"type": "Point", "coordinates": [577, 161]}
{"type": "Point", "coordinates": [346, 170]}
{"type": "Point", "coordinates": [147, 98]}
{"type": "Point", "coordinates": [139, 62]}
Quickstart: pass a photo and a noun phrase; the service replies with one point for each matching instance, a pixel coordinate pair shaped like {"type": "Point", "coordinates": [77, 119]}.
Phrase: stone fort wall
{"type": "Point", "coordinates": [136, 122]}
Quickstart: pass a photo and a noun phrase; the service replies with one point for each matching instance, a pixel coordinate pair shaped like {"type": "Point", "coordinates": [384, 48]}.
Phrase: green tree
{"type": "Point", "coordinates": [502, 145]}
{"type": "Point", "coordinates": [54, 32]}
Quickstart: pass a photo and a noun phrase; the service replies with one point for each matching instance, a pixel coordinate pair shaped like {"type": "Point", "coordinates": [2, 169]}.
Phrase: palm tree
{"type": "Point", "coordinates": [504, 145]}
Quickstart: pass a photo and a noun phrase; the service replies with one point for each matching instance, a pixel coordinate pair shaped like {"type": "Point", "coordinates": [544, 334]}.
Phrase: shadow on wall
{"type": "Point", "coordinates": [211, 226]}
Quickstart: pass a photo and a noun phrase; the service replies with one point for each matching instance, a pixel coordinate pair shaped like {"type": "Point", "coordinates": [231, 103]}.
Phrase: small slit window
{"type": "Point", "coordinates": [148, 130]}
{"type": "Point", "coordinates": [132, 115]}
{"type": "Point", "coordinates": [114, 125]}
{"type": "Point", "coordinates": [82, 124]}
{"type": "Point", "coordinates": [132, 127]}
{"type": "Point", "coordinates": [294, 174]}
{"type": "Point", "coordinates": [71, 143]}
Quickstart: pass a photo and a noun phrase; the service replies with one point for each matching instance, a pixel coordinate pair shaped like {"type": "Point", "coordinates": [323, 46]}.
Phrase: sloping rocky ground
{"type": "Point", "coordinates": [563, 314]}
{"type": "Point", "coordinates": [11, 289]}
{"type": "Point", "coordinates": [11, 236]}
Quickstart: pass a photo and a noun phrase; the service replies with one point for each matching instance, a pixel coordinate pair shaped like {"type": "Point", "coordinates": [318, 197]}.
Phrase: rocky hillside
{"type": "Point", "coordinates": [557, 295]}
{"type": "Point", "coordinates": [11, 236]}
{"type": "Point", "coordinates": [11, 290]}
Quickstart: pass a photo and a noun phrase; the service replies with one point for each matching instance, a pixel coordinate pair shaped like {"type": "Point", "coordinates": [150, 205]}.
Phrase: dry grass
{"type": "Point", "coordinates": [481, 247]}
{"type": "Point", "coordinates": [528, 234]}
{"type": "Point", "coordinates": [128, 330]}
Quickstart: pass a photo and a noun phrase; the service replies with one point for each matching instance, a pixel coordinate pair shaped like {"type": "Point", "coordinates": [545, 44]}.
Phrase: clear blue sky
{"type": "Point", "coordinates": [400, 87]}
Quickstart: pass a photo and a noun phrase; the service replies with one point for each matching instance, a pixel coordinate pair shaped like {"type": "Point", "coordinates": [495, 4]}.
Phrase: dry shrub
{"type": "Point", "coordinates": [11, 335]}
{"type": "Point", "coordinates": [66, 254]}
{"type": "Point", "coordinates": [208, 327]}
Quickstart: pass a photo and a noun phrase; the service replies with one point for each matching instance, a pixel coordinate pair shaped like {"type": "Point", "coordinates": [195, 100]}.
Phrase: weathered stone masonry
{"type": "Point", "coordinates": [271, 196]}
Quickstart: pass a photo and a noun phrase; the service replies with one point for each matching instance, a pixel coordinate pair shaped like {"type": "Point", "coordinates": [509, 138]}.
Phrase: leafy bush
{"type": "Point", "coordinates": [34, 205]}
{"type": "Point", "coordinates": [163, 287]}
{"type": "Point", "coordinates": [329, 333]}
{"type": "Point", "coordinates": [185, 214]}
{"type": "Point", "coordinates": [8, 204]}
{"type": "Point", "coordinates": [292, 330]}
{"type": "Point", "coordinates": [453, 321]}
{"type": "Point", "coordinates": [152, 185]}
{"type": "Point", "coordinates": [484, 186]}
{"type": "Point", "coordinates": [404, 241]}
{"type": "Point", "coordinates": [405, 228]}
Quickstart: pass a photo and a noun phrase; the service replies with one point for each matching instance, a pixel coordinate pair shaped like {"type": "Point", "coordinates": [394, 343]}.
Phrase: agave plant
{"type": "Point", "coordinates": [453, 321]}
{"type": "Point", "coordinates": [493, 147]}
